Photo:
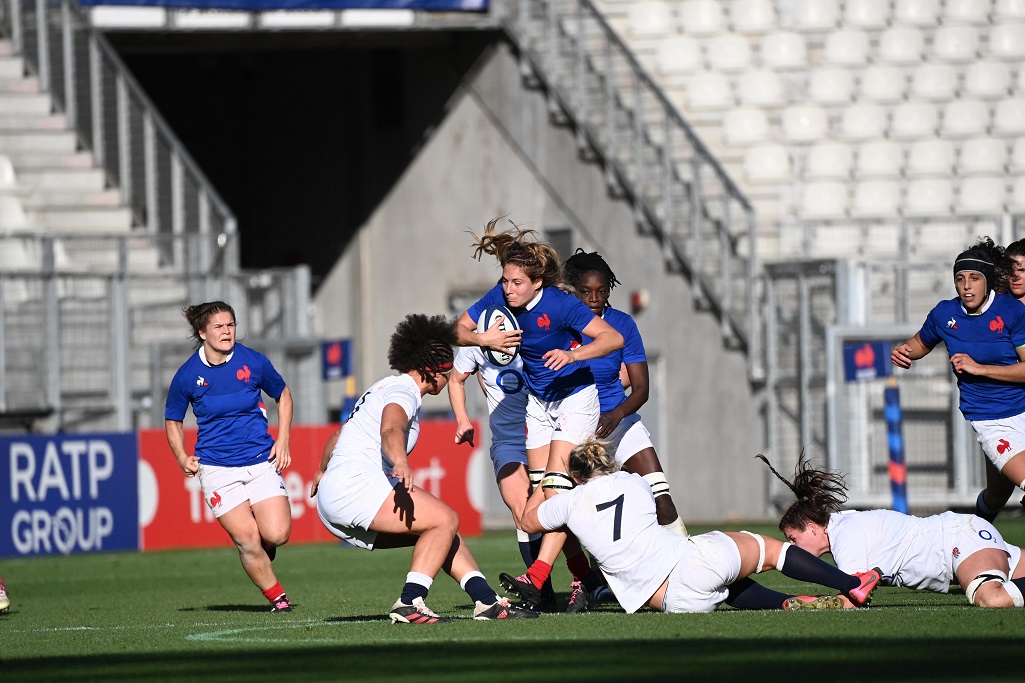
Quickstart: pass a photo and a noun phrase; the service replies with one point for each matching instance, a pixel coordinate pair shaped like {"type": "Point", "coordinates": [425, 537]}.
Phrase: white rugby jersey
{"type": "Point", "coordinates": [361, 433]}
{"type": "Point", "coordinates": [614, 518]}
{"type": "Point", "coordinates": [505, 388]}
{"type": "Point", "coordinates": [914, 552]}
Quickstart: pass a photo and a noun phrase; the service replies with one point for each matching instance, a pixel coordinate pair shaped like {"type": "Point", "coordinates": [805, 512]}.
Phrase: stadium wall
{"type": "Point", "coordinates": [498, 153]}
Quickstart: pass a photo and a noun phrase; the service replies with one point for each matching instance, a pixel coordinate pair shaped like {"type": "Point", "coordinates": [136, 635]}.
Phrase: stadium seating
{"type": "Point", "coordinates": [923, 13]}
{"type": "Point", "coordinates": [931, 157]}
{"type": "Point", "coordinates": [901, 45]}
{"type": "Point", "coordinates": [701, 17]}
{"type": "Point", "coordinates": [816, 15]}
{"type": "Point", "coordinates": [768, 163]}
{"type": "Point", "coordinates": [752, 16]}
{"type": "Point", "coordinates": [982, 156]}
{"type": "Point", "coordinates": [882, 83]}
{"type": "Point", "coordinates": [880, 159]}
{"type": "Point", "coordinates": [828, 159]}
{"type": "Point", "coordinates": [783, 50]}
{"type": "Point", "coordinates": [830, 85]}
{"type": "Point", "coordinates": [987, 80]}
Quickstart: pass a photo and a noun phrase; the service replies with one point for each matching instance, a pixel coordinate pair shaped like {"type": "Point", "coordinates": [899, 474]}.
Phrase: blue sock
{"type": "Point", "coordinates": [749, 594]}
{"type": "Point", "coordinates": [527, 549]}
{"type": "Point", "coordinates": [535, 549]}
{"type": "Point", "coordinates": [983, 510]}
{"type": "Point", "coordinates": [417, 585]}
{"type": "Point", "coordinates": [478, 589]}
{"type": "Point", "coordinates": [801, 565]}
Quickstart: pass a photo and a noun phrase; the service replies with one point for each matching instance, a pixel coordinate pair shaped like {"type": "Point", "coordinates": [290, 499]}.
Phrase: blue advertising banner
{"type": "Point", "coordinates": [263, 5]}
{"type": "Point", "coordinates": [336, 358]}
{"type": "Point", "coordinates": [866, 360]}
{"type": "Point", "coordinates": [62, 494]}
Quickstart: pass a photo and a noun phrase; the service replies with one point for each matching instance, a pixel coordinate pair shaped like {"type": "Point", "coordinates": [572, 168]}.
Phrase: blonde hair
{"type": "Point", "coordinates": [592, 459]}
{"type": "Point", "coordinates": [520, 247]}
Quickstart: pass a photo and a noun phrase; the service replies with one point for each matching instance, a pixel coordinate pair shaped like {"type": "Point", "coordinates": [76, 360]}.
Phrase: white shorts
{"type": "Point", "coordinates": [503, 453]}
{"type": "Point", "coordinates": [571, 419]}
{"type": "Point", "coordinates": [699, 582]}
{"type": "Point", "coordinates": [225, 488]}
{"type": "Point", "coordinates": [350, 495]}
{"type": "Point", "coordinates": [974, 534]}
{"type": "Point", "coordinates": [1001, 439]}
{"type": "Point", "coordinates": [629, 438]}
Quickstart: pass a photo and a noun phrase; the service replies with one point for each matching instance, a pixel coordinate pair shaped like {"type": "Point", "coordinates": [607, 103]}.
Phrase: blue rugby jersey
{"type": "Point", "coordinates": [606, 369]}
{"type": "Point", "coordinates": [554, 321]}
{"type": "Point", "coordinates": [229, 409]}
{"type": "Point", "coordinates": [991, 337]}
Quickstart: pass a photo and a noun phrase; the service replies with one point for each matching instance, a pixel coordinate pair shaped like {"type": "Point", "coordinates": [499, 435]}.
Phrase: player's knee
{"type": "Point", "coordinates": [992, 589]}
{"type": "Point", "coordinates": [535, 477]}
{"type": "Point", "coordinates": [556, 482]}
{"type": "Point", "coordinates": [276, 538]}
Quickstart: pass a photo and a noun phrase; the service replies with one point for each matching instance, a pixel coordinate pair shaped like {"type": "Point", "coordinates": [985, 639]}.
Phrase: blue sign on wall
{"type": "Point", "coordinates": [62, 494]}
{"type": "Point", "coordinates": [263, 5]}
{"type": "Point", "coordinates": [866, 360]}
{"type": "Point", "coordinates": [336, 358]}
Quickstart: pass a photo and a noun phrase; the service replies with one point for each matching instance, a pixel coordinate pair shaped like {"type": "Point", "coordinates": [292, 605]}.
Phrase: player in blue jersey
{"type": "Point", "coordinates": [365, 491]}
{"type": "Point", "coordinates": [238, 463]}
{"type": "Point", "coordinates": [984, 332]}
{"type": "Point", "coordinates": [563, 407]}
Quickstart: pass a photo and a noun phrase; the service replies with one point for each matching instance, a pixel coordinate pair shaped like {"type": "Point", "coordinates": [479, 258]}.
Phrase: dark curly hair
{"type": "Point", "coordinates": [1016, 248]}
{"type": "Point", "coordinates": [520, 247]}
{"type": "Point", "coordinates": [988, 258]}
{"type": "Point", "coordinates": [586, 262]}
{"type": "Point", "coordinates": [819, 494]}
{"type": "Point", "coordinates": [199, 316]}
{"type": "Point", "coordinates": [422, 343]}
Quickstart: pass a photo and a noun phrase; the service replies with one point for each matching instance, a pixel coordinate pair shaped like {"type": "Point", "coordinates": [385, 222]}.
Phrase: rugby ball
{"type": "Point", "coordinates": [488, 317]}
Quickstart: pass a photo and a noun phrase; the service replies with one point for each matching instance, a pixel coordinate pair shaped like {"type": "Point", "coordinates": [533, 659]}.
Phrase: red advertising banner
{"type": "Point", "coordinates": [173, 514]}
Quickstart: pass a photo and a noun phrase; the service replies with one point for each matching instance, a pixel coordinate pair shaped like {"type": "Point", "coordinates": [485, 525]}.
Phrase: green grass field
{"type": "Point", "coordinates": [194, 615]}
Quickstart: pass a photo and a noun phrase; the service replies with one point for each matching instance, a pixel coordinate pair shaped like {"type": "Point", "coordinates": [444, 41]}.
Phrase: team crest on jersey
{"type": "Point", "coordinates": [200, 382]}
{"type": "Point", "coordinates": [997, 325]}
{"type": "Point", "coordinates": [244, 374]}
{"type": "Point", "coordinates": [215, 500]}
{"type": "Point", "coordinates": [952, 324]}
{"type": "Point", "coordinates": [1002, 446]}
{"type": "Point", "coordinates": [544, 322]}
{"type": "Point", "coordinates": [955, 552]}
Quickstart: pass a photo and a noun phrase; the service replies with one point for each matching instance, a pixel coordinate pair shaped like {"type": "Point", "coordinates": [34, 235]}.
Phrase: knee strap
{"type": "Point", "coordinates": [658, 483]}
{"type": "Point", "coordinates": [984, 577]}
{"type": "Point", "coordinates": [557, 481]}
{"type": "Point", "coordinates": [535, 477]}
{"type": "Point", "coordinates": [761, 550]}
{"type": "Point", "coordinates": [1016, 597]}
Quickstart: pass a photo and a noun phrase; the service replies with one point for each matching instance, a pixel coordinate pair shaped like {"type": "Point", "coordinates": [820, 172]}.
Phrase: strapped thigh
{"type": "Point", "coordinates": [761, 549]}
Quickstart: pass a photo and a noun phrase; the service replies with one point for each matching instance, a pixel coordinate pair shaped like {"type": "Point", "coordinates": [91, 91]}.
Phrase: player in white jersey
{"type": "Point", "coordinates": [923, 553]}
{"type": "Point", "coordinates": [613, 515]}
{"type": "Point", "coordinates": [365, 491]}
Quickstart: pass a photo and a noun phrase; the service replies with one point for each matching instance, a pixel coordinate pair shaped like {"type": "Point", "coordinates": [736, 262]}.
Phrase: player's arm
{"type": "Point", "coordinates": [605, 340]}
{"type": "Point", "coordinates": [394, 422]}
{"type": "Point", "coordinates": [325, 458]}
{"type": "Point", "coordinates": [911, 350]}
{"type": "Point", "coordinates": [637, 397]}
{"type": "Point", "coordinates": [176, 440]}
{"type": "Point", "coordinates": [457, 399]}
{"type": "Point", "coordinates": [493, 338]}
{"type": "Point", "coordinates": [280, 454]}
{"type": "Point", "coordinates": [1015, 372]}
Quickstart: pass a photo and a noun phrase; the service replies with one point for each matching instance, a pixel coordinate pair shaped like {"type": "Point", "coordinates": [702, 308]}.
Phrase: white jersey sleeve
{"type": "Point", "coordinates": [361, 433]}
{"type": "Point", "coordinates": [614, 518]}
{"type": "Point", "coordinates": [505, 388]}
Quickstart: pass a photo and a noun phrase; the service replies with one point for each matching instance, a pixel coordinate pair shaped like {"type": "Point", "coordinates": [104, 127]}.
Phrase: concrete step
{"type": "Point", "coordinates": [17, 104]}
{"type": "Point", "coordinates": [6, 48]}
{"type": "Point", "coordinates": [61, 178]}
{"type": "Point", "coordinates": [61, 198]}
{"type": "Point", "coordinates": [27, 161]}
{"type": "Point", "coordinates": [28, 85]}
{"type": "Point", "coordinates": [37, 141]}
{"type": "Point", "coordinates": [33, 123]}
{"type": "Point", "coordinates": [81, 218]}
{"type": "Point", "coordinates": [11, 68]}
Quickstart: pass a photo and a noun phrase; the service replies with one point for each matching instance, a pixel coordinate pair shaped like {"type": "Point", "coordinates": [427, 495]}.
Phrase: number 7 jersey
{"type": "Point", "coordinates": [614, 518]}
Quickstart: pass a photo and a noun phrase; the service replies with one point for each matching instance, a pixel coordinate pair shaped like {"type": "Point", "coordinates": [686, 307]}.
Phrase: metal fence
{"type": "Point", "coordinates": [623, 120]}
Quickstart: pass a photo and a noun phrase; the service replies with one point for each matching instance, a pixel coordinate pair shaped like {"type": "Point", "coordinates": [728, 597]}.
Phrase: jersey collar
{"type": "Point", "coordinates": [984, 307]}
{"type": "Point", "coordinates": [535, 300]}
{"type": "Point", "coordinates": [202, 357]}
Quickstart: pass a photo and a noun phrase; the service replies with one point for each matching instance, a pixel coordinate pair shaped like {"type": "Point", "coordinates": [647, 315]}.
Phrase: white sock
{"type": "Point", "coordinates": [677, 527]}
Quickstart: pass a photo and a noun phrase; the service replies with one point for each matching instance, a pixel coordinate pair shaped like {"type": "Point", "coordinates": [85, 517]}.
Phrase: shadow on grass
{"type": "Point", "coordinates": [764, 659]}
{"type": "Point", "coordinates": [227, 608]}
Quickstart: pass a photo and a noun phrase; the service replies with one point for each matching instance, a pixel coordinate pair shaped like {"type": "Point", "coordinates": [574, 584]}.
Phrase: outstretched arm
{"type": "Point", "coordinates": [911, 350]}
{"type": "Point", "coordinates": [457, 399]}
{"type": "Point", "coordinates": [325, 458]}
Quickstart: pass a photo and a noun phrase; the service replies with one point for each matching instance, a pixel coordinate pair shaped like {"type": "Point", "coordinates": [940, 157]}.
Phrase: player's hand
{"type": "Point", "coordinates": [464, 434]}
{"type": "Point", "coordinates": [316, 483]}
{"type": "Point", "coordinates": [495, 338]}
{"type": "Point", "coordinates": [280, 455]}
{"type": "Point", "coordinates": [556, 359]}
{"type": "Point", "coordinates": [607, 423]}
{"type": "Point", "coordinates": [404, 474]}
{"type": "Point", "coordinates": [901, 356]}
{"type": "Point", "coordinates": [190, 465]}
{"type": "Point", "coordinates": [962, 362]}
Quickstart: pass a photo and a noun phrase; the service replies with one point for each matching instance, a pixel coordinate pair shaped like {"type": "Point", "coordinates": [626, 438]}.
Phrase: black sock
{"type": "Point", "coordinates": [983, 510]}
{"type": "Point", "coordinates": [479, 590]}
{"type": "Point", "coordinates": [529, 551]}
{"type": "Point", "coordinates": [411, 591]}
{"type": "Point", "coordinates": [801, 565]}
{"type": "Point", "coordinates": [749, 594]}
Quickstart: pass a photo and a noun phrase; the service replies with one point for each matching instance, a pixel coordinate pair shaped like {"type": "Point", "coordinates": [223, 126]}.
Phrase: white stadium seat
{"type": "Point", "coordinates": [1009, 116]}
{"type": "Point", "coordinates": [708, 90]}
{"type": "Point", "coordinates": [928, 197]}
{"type": "Point", "coordinates": [913, 120]}
{"type": "Point", "coordinates": [760, 87]}
{"type": "Point", "coordinates": [955, 43]}
{"type": "Point", "coordinates": [966, 11]}
{"type": "Point", "coordinates": [846, 47]}
{"type": "Point", "coordinates": [917, 12]}
{"type": "Point", "coordinates": [963, 118]}
{"type": "Point", "coordinates": [745, 125]}
{"type": "Point", "coordinates": [804, 123]}
{"type": "Point", "coordinates": [830, 85]}
{"type": "Point", "coordinates": [12, 214]}
{"type": "Point", "coordinates": [982, 156]}
{"type": "Point", "coordinates": [880, 83]}
{"type": "Point", "coordinates": [987, 80]}
{"type": "Point", "coordinates": [1007, 41]}
{"type": "Point", "coordinates": [783, 50]}
{"type": "Point", "coordinates": [678, 54]}
{"type": "Point", "coordinates": [768, 163]}
{"type": "Point", "coordinates": [982, 195]}
{"type": "Point", "coordinates": [701, 17]}
{"type": "Point", "coordinates": [650, 18]}
{"type": "Point", "coordinates": [876, 199]}
{"type": "Point", "coordinates": [826, 199]}
{"type": "Point", "coordinates": [752, 16]}
{"type": "Point", "coordinates": [8, 178]}
{"type": "Point", "coordinates": [931, 157]}
{"type": "Point", "coordinates": [1008, 10]}
{"type": "Point", "coordinates": [828, 160]}
{"type": "Point", "coordinates": [863, 121]}
{"type": "Point", "coordinates": [880, 159]}
{"type": "Point", "coordinates": [1019, 86]}
{"type": "Point", "coordinates": [934, 82]}
{"type": "Point", "coordinates": [1017, 201]}
{"type": "Point", "coordinates": [901, 45]}
{"type": "Point", "coordinates": [728, 52]}
{"type": "Point", "coordinates": [1018, 156]}
{"type": "Point", "coordinates": [816, 15]}
{"type": "Point", "coordinates": [870, 14]}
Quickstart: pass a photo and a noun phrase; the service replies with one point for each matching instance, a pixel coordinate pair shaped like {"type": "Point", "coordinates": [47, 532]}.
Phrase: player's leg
{"type": "Point", "coordinates": [270, 506]}
{"type": "Point", "coordinates": [996, 494]}
{"type": "Point", "coordinates": [646, 463]}
{"type": "Point", "coordinates": [985, 577]}
{"type": "Point", "coordinates": [5, 600]}
{"type": "Point", "coordinates": [241, 525]}
{"type": "Point", "coordinates": [1003, 442]}
{"type": "Point", "coordinates": [461, 566]}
